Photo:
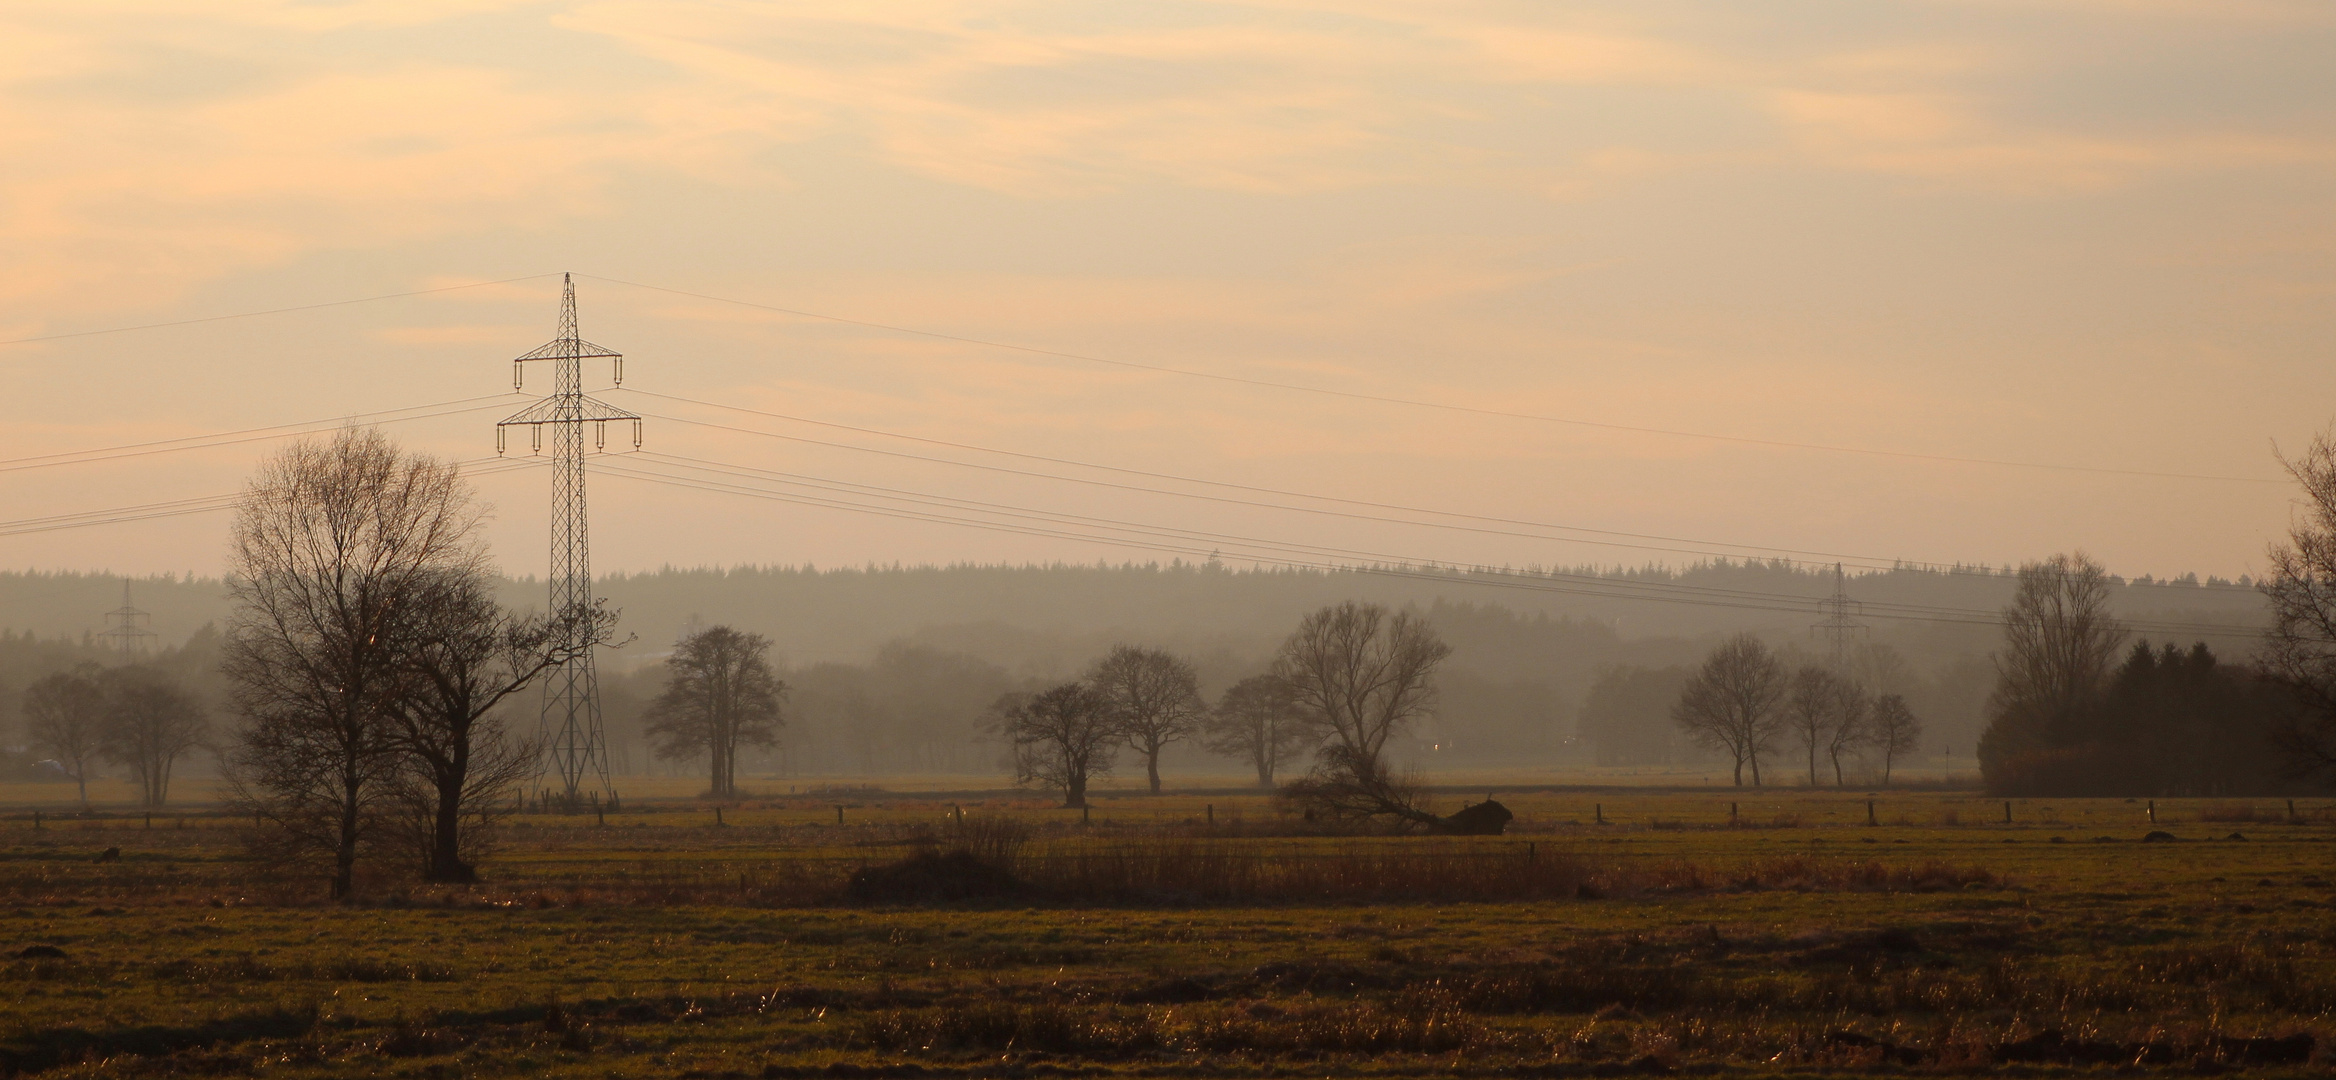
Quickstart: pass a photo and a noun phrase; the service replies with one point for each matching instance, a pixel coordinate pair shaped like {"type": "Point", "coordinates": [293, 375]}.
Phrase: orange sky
{"type": "Point", "coordinates": [2090, 233]}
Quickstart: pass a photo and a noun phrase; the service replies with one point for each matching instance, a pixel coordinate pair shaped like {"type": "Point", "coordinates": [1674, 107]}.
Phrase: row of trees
{"type": "Point", "coordinates": [1745, 700]}
{"type": "Point", "coordinates": [134, 716]}
{"type": "Point", "coordinates": [1348, 680]}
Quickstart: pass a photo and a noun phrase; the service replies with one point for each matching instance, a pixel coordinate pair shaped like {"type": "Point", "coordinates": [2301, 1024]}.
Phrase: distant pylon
{"type": "Point", "coordinates": [1840, 623]}
{"type": "Point", "coordinates": [573, 740]}
{"type": "Point", "coordinates": [126, 627]}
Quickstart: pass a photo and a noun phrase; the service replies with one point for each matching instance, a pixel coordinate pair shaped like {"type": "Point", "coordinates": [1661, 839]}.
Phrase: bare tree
{"type": "Point", "coordinates": [1825, 713]}
{"type": "Point", "coordinates": [1893, 730]}
{"type": "Point", "coordinates": [1154, 699]}
{"type": "Point", "coordinates": [720, 694]}
{"type": "Point", "coordinates": [332, 543]}
{"type": "Point", "coordinates": [1851, 726]}
{"type": "Point", "coordinates": [1062, 737]}
{"type": "Point", "coordinates": [465, 657]}
{"type": "Point", "coordinates": [2060, 644]}
{"type": "Point", "coordinates": [2299, 649]}
{"type": "Point", "coordinates": [150, 722]}
{"type": "Point", "coordinates": [1259, 721]}
{"type": "Point", "coordinates": [64, 715]}
{"type": "Point", "coordinates": [1361, 675]}
{"type": "Point", "coordinates": [1730, 704]}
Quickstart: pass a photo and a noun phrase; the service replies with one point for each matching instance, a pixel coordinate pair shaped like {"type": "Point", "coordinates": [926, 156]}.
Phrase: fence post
{"type": "Point", "coordinates": [2007, 811]}
{"type": "Point", "coordinates": [1731, 813]}
{"type": "Point", "coordinates": [1212, 813]}
{"type": "Point", "coordinates": [839, 813]}
{"type": "Point", "coordinates": [1528, 851]}
{"type": "Point", "coordinates": [149, 819]}
{"type": "Point", "coordinates": [1600, 810]}
{"type": "Point", "coordinates": [717, 815]}
{"type": "Point", "coordinates": [37, 826]}
{"type": "Point", "coordinates": [2153, 811]}
{"type": "Point", "coordinates": [1870, 813]}
{"type": "Point", "coordinates": [599, 814]}
{"type": "Point", "coordinates": [2291, 811]}
{"type": "Point", "coordinates": [1086, 813]}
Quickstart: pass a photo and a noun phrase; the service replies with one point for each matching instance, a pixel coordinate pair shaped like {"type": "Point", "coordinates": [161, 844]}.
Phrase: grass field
{"type": "Point", "coordinates": [1205, 934]}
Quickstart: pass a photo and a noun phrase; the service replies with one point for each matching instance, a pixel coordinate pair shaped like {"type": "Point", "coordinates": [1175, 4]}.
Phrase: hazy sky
{"type": "Point", "coordinates": [2096, 234]}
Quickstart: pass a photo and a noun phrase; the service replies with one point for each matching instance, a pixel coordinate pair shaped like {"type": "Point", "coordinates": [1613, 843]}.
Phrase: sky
{"type": "Point", "coordinates": [1965, 281]}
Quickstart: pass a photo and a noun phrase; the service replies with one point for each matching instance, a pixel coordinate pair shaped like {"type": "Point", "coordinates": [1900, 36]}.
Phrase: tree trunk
{"type": "Point", "coordinates": [1837, 780]}
{"type": "Point", "coordinates": [1755, 769]}
{"type": "Point", "coordinates": [1739, 772]}
{"type": "Point", "coordinates": [1812, 762]}
{"type": "Point", "coordinates": [446, 865]}
{"type": "Point", "coordinates": [81, 779]}
{"type": "Point", "coordinates": [1152, 767]}
{"type": "Point", "coordinates": [1075, 792]}
{"type": "Point", "coordinates": [345, 854]}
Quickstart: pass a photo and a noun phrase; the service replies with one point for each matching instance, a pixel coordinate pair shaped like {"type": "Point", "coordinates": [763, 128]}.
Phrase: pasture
{"type": "Point", "coordinates": [1199, 933]}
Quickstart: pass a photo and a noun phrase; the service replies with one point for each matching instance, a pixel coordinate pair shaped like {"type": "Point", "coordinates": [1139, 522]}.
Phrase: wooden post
{"type": "Point", "coordinates": [1870, 813]}
{"type": "Point", "coordinates": [717, 815]}
{"type": "Point", "coordinates": [2291, 811]}
{"type": "Point", "coordinates": [1086, 813]}
{"type": "Point", "coordinates": [839, 813]}
{"type": "Point", "coordinates": [149, 819]}
{"type": "Point", "coordinates": [37, 826]}
{"type": "Point", "coordinates": [599, 814]}
{"type": "Point", "coordinates": [1600, 810]}
{"type": "Point", "coordinates": [2153, 811]}
{"type": "Point", "coordinates": [1731, 813]}
{"type": "Point", "coordinates": [2007, 811]}
{"type": "Point", "coordinates": [1528, 851]}
{"type": "Point", "coordinates": [1212, 813]}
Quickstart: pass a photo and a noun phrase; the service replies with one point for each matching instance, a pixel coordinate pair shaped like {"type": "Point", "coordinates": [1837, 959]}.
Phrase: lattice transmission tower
{"type": "Point", "coordinates": [573, 740]}
{"type": "Point", "coordinates": [1840, 624]}
{"type": "Point", "coordinates": [127, 628]}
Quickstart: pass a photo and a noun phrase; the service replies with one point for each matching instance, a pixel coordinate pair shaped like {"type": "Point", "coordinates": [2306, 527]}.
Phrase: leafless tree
{"type": "Point", "coordinates": [2059, 646]}
{"type": "Point", "coordinates": [1154, 699]}
{"type": "Point", "coordinates": [64, 714]}
{"type": "Point", "coordinates": [1825, 713]}
{"type": "Point", "coordinates": [1361, 674]}
{"type": "Point", "coordinates": [1730, 704]}
{"type": "Point", "coordinates": [1258, 720]}
{"type": "Point", "coordinates": [1061, 737]}
{"type": "Point", "coordinates": [464, 657]}
{"type": "Point", "coordinates": [1893, 730]}
{"type": "Point", "coordinates": [150, 722]}
{"type": "Point", "coordinates": [2299, 649]}
{"type": "Point", "coordinates": [332, 543]}
{"type": "Point", "coordinates": [1851, 726]}
{"type": "Point", "coordinates": [720, 694]}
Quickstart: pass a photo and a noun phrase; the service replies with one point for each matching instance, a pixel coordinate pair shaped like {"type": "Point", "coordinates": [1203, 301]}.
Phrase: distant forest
{"type": "Point", "coordinates": [890, 668]}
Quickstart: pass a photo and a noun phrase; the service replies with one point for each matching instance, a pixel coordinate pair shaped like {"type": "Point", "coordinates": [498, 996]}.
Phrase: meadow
{"type": "Point", "coordinates": [933, 932]}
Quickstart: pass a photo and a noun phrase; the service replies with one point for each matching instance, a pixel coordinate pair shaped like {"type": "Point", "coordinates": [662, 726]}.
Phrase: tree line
{"type": "Point", "coordinates": [1746, 702]}
{"type": "Point", "coordinates": [1346, 681]}
{"type": "Point", "coordinates": [138, 716]}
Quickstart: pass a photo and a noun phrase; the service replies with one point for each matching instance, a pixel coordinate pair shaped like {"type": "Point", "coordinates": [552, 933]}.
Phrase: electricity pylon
{"type": "Point", "coordinates": [571, 703]}
{"type": "Point", "coordinates": [126, 627]}
{"type": "Point", "coordinates": [1840, 623]}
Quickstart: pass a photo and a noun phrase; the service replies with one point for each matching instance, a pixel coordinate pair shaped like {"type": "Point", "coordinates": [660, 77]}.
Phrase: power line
{"type": "Point", "coordinates": [1737, 550]}
{"type": "Point", "coordinates": [198, 504]}
{"type": "Point", "coordinates": [1138, 536]}
{"type": "Point", "coordinates": [228, 438]}
{"type": "Point", "coordinates": [1387, 399]}
{"type": "Point", "coordinates": [1740, 550]}
{"type": "Point", "coordinates": [269, 311]}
